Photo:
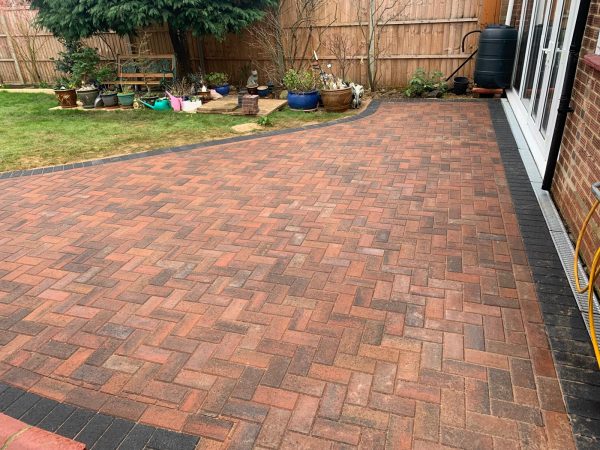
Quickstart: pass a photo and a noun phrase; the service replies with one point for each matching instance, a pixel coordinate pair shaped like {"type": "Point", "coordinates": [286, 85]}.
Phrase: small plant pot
{"type": "Point", "coordinates": [460, 85]}
{"type": "Point", "coordinates": [263, 91]}
{"type": "Point", "coordinates": [66, 97]}
{"type": "Point", "coordinates": [126, 100]}
{"type": "Point", "coordinates": [204, 96]}
{"type": "Point", "coordinates": [109, 100]}
{"type": "Point", "coordinates": [87, 98]}
{"type": "Point", "coordinates": [303, 100]}
{"type": "Point", "coordinates": [252, 90]}
{"type": "Point", "coordinates": [336, 100]}
{"type": "Point", "coordinates": [223, 89]}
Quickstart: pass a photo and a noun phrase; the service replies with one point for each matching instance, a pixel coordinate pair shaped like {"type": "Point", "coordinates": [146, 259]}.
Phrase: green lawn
{"type": "Point", "coordinates": [33, 136]}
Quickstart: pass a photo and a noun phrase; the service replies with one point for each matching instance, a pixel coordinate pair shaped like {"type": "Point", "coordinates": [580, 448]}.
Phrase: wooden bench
{"type": "Point", "coordinates": [131, 69]}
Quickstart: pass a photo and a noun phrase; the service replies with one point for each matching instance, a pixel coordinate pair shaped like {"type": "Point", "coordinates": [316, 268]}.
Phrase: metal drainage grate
{"type": "Point", "coordinates": [564, 246]}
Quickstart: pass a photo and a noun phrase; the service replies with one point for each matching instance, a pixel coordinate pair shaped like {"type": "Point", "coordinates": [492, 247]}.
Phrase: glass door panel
{"type": "Point", "coordinates": [547, 52]}
{"type": "Point", "coordinates": [558, 56]}
{"type": "Point", "coordinates": [525, 25]}
{"type": "Point", "coordinates": [537, 31]}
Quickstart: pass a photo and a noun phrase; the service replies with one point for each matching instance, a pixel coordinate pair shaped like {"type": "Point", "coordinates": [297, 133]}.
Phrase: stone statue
{"type": "Point", "coordinates": [252, 79]}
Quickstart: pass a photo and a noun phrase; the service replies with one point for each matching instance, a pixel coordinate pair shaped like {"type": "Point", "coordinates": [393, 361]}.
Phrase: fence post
{"type": "Point", "coordinates": [9, 41]}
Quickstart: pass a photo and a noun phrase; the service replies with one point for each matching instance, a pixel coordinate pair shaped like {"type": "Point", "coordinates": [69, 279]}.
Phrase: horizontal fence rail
{"type": "Point", "coordinates": [427, 34]}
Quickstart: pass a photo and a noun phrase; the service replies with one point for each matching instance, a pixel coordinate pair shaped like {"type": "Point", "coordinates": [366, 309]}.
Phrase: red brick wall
{"type": "Point", "coordinates": [579, 161]}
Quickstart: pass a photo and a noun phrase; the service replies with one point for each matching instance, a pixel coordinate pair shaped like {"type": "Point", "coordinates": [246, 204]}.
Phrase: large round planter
{"type": "Point", "coordinates": [126, 99]}
{"type": "Point", "coordinates": [87, 98]}
{"type": "Point", "coordinates": [66, 97]}
{"type": "Point", "coordinates": [303, 100]}
{"type": "Point", "coordinates": [336, 100]}
{"type": "Point", "coordinates": [109, 99]}
{"type": "Point", "coordinates": [223, 90]}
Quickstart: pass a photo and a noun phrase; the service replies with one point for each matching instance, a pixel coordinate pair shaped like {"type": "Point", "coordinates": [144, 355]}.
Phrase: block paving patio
{"type": "Point", "coordinates": [363, 284]}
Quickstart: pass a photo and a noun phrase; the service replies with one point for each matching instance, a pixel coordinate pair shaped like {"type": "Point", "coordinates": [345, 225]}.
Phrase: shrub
{"type": "Point", "coordinates": [265, 121]}
{"type": "Point", "coordinates": [216, 78]}
{"type": "Point", "coordinates": [421, 83]}
{"type": "Point", "coordinates": [82, 65]}
{"type": "Point", "coordinates": [301, 81]}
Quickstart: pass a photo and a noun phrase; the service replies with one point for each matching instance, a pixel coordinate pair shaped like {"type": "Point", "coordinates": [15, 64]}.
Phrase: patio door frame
{"type": "Point", "coordinates": [539, 143]}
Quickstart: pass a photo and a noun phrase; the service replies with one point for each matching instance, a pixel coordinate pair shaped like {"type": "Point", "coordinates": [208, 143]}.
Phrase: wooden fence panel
{"type": "Point", "coordinates": [422, 33]}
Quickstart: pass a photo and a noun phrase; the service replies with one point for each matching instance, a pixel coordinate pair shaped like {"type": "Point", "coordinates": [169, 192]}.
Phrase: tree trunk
{"type": "Point", "coordinates": [372, 45]}
{"type": "Point", "coordinates": [180, 47]}
{"type": "Point", "coordinates": [201, 57]}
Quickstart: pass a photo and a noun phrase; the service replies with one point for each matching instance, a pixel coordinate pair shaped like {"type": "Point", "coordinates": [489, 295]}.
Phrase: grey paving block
{"type": "Point", "coordinates": [94, 429]}
{"type": "Point", "coordinates": [39, 411]}
{"type": "Point", "coordinates": [75, 423]}
{"type": "Point", "coordinates": [137, 438]}
{"type": "Point", "coordinates": [169, 440]}
{"type": "Point", "coordinates": [114, 435]}
{"type": "Point", "coordinates": [55, 418]}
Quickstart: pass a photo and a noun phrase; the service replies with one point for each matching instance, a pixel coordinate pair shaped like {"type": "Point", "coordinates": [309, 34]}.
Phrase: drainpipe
{"type": "Point", "coordinates": [509, 12]}
{"type": "Point", "coordinates": [564, 106]}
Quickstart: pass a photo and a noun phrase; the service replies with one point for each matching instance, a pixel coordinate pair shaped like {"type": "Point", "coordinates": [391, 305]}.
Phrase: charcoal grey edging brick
{"type": "Point", "coordinates": [369, 110]}
{"type": "Point", "coordinates": [570, 344]}
{"type": "Point", "coordinates": [97, 431]}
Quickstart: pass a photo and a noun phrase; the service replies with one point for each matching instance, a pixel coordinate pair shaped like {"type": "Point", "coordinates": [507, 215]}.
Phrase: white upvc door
{"type": "Point", "coordinates": [546, 27]}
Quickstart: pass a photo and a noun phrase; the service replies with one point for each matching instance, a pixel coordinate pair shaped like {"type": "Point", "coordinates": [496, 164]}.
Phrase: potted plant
{"type": "Point", "coordinates": [109, 98]}
{"type": "Point", "coordinates": [87, 95]}
{"type": "Point", "coordinates": [178, 91]}
{"type": "Point", "coordinates": [64, 89]}
{"type": "Point", "coordinates": [126, 97]}
{"type": "Point", "coordinates": [336, 95]}
{"type": "Point", "coordinates": [218, 81]}
{"type": "Point", "coordinates": [302, 89]}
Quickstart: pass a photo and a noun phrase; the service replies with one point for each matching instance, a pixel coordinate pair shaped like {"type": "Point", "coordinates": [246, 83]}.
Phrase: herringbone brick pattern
{"type": "Point", "coordinates": [363, 284]}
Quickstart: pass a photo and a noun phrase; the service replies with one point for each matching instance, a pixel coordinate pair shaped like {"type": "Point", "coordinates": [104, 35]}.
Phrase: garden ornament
{"type": "Point", "coordinates": [252, 79]}
{"type": "Point", "coordinates": [357, 93]}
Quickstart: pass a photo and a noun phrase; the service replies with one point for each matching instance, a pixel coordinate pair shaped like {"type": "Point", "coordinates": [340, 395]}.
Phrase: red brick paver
{"type": "Point", "coordinates": [363, 284]}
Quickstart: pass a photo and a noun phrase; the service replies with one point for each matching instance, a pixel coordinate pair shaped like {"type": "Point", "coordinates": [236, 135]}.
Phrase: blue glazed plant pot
{"type": "Point", "coordinates": [223, 90]}
{"type": "Point", "coordinates": [303, 100]}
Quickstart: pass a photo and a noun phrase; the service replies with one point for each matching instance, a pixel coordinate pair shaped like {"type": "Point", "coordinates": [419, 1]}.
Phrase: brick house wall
{"type": "Point", "coordinates": [579, 161]}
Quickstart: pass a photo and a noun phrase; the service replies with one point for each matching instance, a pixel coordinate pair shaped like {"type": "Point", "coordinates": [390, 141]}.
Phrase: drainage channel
{"type": "Point", "coordinates": [560, 237]}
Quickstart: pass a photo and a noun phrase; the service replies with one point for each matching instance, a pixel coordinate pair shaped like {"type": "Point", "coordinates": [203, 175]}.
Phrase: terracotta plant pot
{"type": "Point", "coordinates": [336, 100]}
{"type": "Point", "coordinates": [66, 97]}
{"type": "Point", "coordinates": [87, 98]}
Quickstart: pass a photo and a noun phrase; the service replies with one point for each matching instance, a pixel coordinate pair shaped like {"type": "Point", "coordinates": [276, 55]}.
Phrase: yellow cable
{"type": "Point", "coordinates": [595, 269]}
{"type": "Point", "coordinates": [593, 274]}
